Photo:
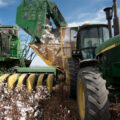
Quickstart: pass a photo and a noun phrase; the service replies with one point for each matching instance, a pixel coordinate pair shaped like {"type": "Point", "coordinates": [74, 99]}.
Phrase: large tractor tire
{"type": "Point", "coordinates": [92, 95]}
{"type": "Point", "coordinates": [73, 67]}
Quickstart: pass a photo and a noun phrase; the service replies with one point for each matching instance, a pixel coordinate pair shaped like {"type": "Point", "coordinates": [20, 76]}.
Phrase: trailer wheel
{"type": "Point", "coordinates": [92, 95]}
{"type": "Point", "coordinates": [73, 67]}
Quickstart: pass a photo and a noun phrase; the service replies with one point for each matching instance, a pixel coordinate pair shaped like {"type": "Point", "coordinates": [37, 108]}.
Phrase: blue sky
{"type": "Point", "coordinates": [76, 12]}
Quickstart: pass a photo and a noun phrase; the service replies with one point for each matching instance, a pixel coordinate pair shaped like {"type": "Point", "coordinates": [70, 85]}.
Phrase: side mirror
{"type": "Point", "coordinates": [109, 15]}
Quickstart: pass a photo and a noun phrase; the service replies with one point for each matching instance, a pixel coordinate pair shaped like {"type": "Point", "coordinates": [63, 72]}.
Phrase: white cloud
{"type": "Point", "coordinates": [4, 3]}
{"type": "Point", "coordinates": [97, 17]}
{"type": "Point", "coordinates": [74, 24]}
{"type": "Point", "coordinates": [100, 16]}
{"type": "Point", "coordinates": [90, 18]}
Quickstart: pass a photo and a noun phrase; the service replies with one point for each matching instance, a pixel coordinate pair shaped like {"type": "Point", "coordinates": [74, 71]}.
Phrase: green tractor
{"type": "Point", "coordinates": [85, 76]}
{"type": "Point", "coordinates": [95, 66]}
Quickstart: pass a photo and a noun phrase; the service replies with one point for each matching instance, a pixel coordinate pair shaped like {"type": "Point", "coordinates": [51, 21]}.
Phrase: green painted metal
{"type": "Point", "coordinates": [10, 42]}
{"type": "Point", "coordinates": [32, 16]}
{"type": "Point", "coordinates": [10, 49]}
{"type": "Point", "coordinates": [108, 43]}
{"type": "Point", "coordinates": [39, 70]}
{"type": "Point", "coordinates": [15, 47]}
{"type": "Point", "coordinates": [110, 60]}
{"type": "Point", "coordinates": [55, 14]}
{"type": "Point", "coordinates": [116, 69]}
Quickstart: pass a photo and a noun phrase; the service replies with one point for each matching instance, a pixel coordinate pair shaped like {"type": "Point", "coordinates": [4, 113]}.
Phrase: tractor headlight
{"type": "Point", "coordinates": [73, 52]}
{"type": "Point", "coordinates": [78, 52]}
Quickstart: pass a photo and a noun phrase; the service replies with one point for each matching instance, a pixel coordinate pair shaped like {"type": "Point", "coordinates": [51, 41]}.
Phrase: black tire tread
{"type": "Point", "coordinates": [96, 94]}
{"type": "Point", "coordinates": [73, 67]}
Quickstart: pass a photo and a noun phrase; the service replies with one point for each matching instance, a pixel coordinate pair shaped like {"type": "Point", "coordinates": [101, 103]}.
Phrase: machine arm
{"type": "Point", "coordinates": [33, 15]}
{"type": "Point", "coordinates": [56, 15]}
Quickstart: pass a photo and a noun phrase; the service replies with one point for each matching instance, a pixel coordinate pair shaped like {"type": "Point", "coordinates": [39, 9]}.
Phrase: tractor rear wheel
{"type": "Point", "coordinates": [92, 95]}
{"type": "Point", "coordinates": [73, 67]}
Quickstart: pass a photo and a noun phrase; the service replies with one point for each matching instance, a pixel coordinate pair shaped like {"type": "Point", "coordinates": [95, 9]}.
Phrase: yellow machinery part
{"type": "Point", "coordinates": [20, 81]}
{"type": "Point", "coordinates": [30, 82]}
{"type": "Point", "coordinates": [81, 100]}
{"type": "Point", "coordinates": [41, 56]}
{"type": "Point", "coordinates": [40, 80]}
{"type": "Point", "coordinates": [2, 78]}
{"type": "Point", "coordinates": [11, 81]}
{"type": "Point", "coordinates": [49, 82]}
{"type": "Point", "coordinates": [67, 78]}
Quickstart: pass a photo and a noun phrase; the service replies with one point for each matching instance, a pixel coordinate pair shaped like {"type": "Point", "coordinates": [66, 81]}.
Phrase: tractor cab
{"type": "Point", "coordinates": [89, 37]}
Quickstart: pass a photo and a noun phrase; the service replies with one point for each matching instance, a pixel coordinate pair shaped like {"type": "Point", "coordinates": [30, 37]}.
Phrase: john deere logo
{"type": "Point", "coordinates": [14, 44]}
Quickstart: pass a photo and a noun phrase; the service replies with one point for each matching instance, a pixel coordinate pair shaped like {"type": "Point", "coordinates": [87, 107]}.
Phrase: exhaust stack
{"type": "Point", "coordinates": [116, 18]}
{"type": "Point", "coordinates": [116, 21]}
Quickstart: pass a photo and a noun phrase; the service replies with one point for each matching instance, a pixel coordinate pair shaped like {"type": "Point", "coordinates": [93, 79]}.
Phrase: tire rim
{"type": "Point", "coordinates": [81, 100]}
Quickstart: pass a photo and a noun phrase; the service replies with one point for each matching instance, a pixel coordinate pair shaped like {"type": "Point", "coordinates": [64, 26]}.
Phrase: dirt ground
{"type": "Point", "coordinates": [60, 106]}
{"type": "Point", "coordinates": [115, 111]}
{"type": "Point", "coordinates": [41, 105]}
{"type": "Point", "coordinates": [64, 108]}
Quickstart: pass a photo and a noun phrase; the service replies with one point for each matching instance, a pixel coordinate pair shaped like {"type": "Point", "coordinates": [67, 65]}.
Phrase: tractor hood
{"type": "Point", "coordinates": [111, 43]}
